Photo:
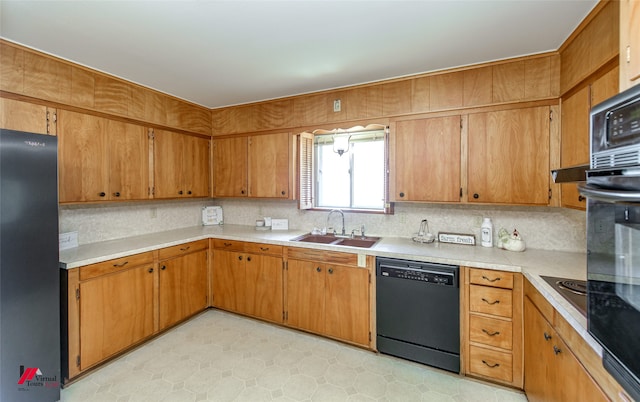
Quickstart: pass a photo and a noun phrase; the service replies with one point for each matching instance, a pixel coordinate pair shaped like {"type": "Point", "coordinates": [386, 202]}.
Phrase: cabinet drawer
{"type": "Point", "coordinates": [117, 264]}
{"type": "Point", "coordinates": [491, 331]}
{"type": "Point", "coordinates": [260, 248]}
{"type": "Point", "coordinates": [180, 249]}
{"type": "Point", "coordinates": [230, 245]}
{"type": "Point", "coordinates": [491, 363]}
{"type": "Point", "coordinates": [489, 277]}
{"type": "Point", "coordinates": [483, 299]}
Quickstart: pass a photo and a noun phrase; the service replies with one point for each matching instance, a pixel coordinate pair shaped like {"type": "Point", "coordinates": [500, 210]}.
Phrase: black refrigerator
{"type": "Point", "coordinates": [29, 269]}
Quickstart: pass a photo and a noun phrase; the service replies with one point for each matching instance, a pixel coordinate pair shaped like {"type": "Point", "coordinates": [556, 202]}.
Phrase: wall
{"type": "Point", "coordinates": [541, 227]}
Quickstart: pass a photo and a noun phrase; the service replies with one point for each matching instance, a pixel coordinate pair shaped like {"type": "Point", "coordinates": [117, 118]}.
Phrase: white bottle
{"type": "Point", "coordinates": [486, 233]}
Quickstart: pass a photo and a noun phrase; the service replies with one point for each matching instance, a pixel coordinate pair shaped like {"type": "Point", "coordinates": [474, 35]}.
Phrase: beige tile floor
{"type": "Point", "coordinates": [219, 356]}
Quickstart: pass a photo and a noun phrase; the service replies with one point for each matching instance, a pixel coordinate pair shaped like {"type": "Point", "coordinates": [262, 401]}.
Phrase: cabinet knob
{"type": "Point", "coordinates": [401, 195]}
{"type": "Point", "coordinates": [330, 270]}
{"type": "Point", "coordinates": [581, 198]}
{"type": "Point", "coordinates": [241, 191]}
{"type": "Point", "coordinates": [240, 257]}
{"type": "Point", "coordinates": [163, 267]}
{"type": "Point", "coordinates": [248, 258]}
{"type": "Point", "coordinates": [180, 192]}
{"type": "Point", "coordinates": [150, 270]}
{"type": "Point", "coordinates": [556, 350]}
{"type": "Point", "coordinates": [102, 194]}
{"type": "Point", "coordinates": [283, 192]}
{"type": "Point", "coordinates": [547, 336]}
{"type": "Point", "coordinates": [476, 195]}
{"type": "Point", "coordinates": [189, 192]}
{"type": "Point", "coordinates": [318, 269]}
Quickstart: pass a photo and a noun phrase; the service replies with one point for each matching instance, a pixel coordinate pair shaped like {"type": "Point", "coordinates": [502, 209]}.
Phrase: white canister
{"type": "Point", "coordinates": [486, 233]}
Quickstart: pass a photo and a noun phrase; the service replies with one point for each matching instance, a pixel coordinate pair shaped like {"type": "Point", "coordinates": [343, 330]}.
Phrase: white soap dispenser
{"type": "Point", "coordinates": [486, 233]}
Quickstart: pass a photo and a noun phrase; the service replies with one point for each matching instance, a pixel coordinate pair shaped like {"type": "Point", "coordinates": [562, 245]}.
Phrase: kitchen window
{"type": "Point", "coordinates": [345, 169]}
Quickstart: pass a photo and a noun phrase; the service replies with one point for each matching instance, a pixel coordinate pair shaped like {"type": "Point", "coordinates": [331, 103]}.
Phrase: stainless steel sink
{"type": "Point", "coordinates": [358, 241]}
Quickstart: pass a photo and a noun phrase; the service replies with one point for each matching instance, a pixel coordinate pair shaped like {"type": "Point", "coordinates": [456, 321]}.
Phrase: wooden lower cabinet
{"type": "Point", "coordinates": [247, 279]}
{"type": "Point", "coordinates": [329, 298]}
{"type": "Point", "coordinates": [492, 326]}
{"type": "Point", "coordinates": [113, 305]}
{"type": "Point", "coordinates": [182, 287]}
{"type": "Point", "coordinates": [552, 372]}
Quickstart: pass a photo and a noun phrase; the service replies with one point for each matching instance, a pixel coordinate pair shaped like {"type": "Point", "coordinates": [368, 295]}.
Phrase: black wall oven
{"type": "Point", "coordinates": [613, 236]}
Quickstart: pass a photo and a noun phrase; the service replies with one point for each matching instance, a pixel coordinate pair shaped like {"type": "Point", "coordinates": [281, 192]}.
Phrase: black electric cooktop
{"type": "Point", "coordinates": [573, 290]}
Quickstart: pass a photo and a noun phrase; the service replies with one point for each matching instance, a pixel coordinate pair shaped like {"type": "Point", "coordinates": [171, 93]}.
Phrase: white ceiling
{"type": "Point", "coordinates": [221, 53]}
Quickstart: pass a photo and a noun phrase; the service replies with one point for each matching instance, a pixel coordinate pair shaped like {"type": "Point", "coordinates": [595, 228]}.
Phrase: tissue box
{"type": "Point", "coordinates": [279, 224]}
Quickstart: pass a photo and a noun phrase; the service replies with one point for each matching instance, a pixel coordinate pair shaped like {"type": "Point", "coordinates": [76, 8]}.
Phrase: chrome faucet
{"type": "Point", "coordinates": [329, 217]}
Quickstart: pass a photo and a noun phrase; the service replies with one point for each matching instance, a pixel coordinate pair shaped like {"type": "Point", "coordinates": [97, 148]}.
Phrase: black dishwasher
{"type": "Point", "coordinates": [418, 312]}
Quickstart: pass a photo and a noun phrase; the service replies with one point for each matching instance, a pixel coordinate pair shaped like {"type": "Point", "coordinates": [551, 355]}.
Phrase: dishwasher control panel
{"type": "Point", "coordinates": [417, 274]}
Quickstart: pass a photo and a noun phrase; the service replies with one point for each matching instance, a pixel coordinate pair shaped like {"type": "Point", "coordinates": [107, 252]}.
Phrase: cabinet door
{"type": "Point", "coordinates": [629, 43]}
{"type": "Point", "coordinates": [183, 287]}
{"type": "Point", "coordinates": [427, 160]}
{"type": "Point", "coordinates": [347, 303]}
{"type": "Point", "coordinates": [128, 146]}
{"type": "Point", "coordinates": [229, 280]}
{"type": "Point", "coordinates": [305, 295]}
{"type": "Point", "coordinates": [509, 156]}
{"type": "Point", "coordinates": [196, 166]}
{"type": "Point", "coordinates": [269, 165]}
{"type": "Point", "coordinates": [539, 371]}
{"type": "Point", "coordinates": [168, 152]}
{"type": "Point", "coordinates": [230, 167]}
{"type": "Point", "coordinates": [574, 148]}
{"type": "Point", "coordinates": [116, 311]}
{"type": "Point", "coordinates": [24, 116]}
{"type": "Point", "coordinates": [263, 278]}
{"type": "Point", "coordinates": [82, 157]}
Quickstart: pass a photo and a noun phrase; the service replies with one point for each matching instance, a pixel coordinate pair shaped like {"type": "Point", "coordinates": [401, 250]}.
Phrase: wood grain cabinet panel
{"type": "Point", "coordinates": [264, 287]}
{"type": "Point", "coordinates": [478, 86]}
{"type": "Point", "coordinates": [427, 160]}
{"type": "Point", "coordinates": [27, 117]}
{"type": "Point", "coordinates": [230, 167]}
{"type": "Point", "coordinates": [46, 78]}
{"type": "Point", "coordinates": [116, 311]}
{"type": "Point", "coordinates": [268, 165]}
{"type": "Point", "coordinates": [446, 91]}
{"type": "Point", "coordinates": [629, 43]}
{"type": "Point", "coordinates": [492, 326]}
{"type": "Point", "coordinates": [11, 68]}
{"type": "Point", "coordinates": [182, 287]}
{"type": "Point", "coordinates": [305, 295]}
{"type": "Point", "coordinates": [181, 165]}
{"type": "Point", "coordinates": [101, 159]}
{"type": "Point", "coordinates": [508, 160]}
{"type": "Point", "coordinates": [508, 82]}
{"type": "Point", "coordinates": [552, 372]}
{"type": "Point", "coordinates": [229, 280]}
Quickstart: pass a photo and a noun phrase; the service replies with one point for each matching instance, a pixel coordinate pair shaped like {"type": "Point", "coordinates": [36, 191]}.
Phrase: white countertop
{"type": "Point", "coordinates": [532, 263]}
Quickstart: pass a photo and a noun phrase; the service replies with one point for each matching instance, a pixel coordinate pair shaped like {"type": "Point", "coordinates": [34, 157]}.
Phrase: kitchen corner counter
{"type": "Point", "coordinates": [532, 263]}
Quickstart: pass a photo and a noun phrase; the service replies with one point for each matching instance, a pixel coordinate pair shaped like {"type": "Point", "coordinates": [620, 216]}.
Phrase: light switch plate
{"type": "Point", "coordinates": [362, 260]}
{"type": "Point", "coordinates": [279, 224]}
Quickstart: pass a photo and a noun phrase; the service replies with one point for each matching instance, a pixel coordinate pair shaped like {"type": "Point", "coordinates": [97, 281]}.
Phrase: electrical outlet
{"type": "Point", "coordinates": [337, 105]}
{"type": "Point", "coordinates": [153, 213]}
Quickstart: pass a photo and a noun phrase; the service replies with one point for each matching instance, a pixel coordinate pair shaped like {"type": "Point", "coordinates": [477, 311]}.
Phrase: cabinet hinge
{"type": "Point", "coordinates": [369, 336]}
{"type": "Point", "coordinates": [77, 293]}
{"type": "Point", "coordinates": [549, 193]}
{"type": "Point", "coordinates": [550, 115]}
{"type": "Point", "coordinates": [369, 277]}
{"type": "Point", "coordinates": [150, 134]}
{"type": "Point", "coordinates": [460, 122]}
{"type": "Point", "coordinates": [460, 192]}
{"type": "Point", "coordinates": [285, 265]}
{"type": "Point", "coordinates": [78, 361]}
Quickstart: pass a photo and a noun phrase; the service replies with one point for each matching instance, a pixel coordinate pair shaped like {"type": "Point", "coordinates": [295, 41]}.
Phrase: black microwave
{"type": "Point", "coordinates": [613, 236]}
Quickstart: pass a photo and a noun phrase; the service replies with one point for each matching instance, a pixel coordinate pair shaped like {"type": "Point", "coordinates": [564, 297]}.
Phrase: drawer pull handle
{"type": "Point", "coordinates": [228, 244]}
{"type": "Point", "coordinates": [264, 248]}
{"type": "Point", "coordinates": [121, 265]}
{"type": "Point", "coordinates": [547, 336]}
{"type": "Point", "coordinates": [491, 365]}
{"type": "Point", "coordinates": [490, 303]}
{"type": "Point", "coordinates": [490, 280]}
{"type": "Point", "coordinates": [490, 333]}
{"type": "Point", "coordinates": [185, 248]}
{"type": "Point", "coordinates": [556, 350]}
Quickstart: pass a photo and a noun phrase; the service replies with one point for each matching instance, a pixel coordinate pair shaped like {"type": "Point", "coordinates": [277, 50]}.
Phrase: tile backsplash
{"type": "Point", "coordinates": [541, 227]}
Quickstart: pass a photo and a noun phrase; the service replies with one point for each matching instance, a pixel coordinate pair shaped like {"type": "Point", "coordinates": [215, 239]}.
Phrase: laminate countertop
{"type": "Point", "coordinates": [531, 263]}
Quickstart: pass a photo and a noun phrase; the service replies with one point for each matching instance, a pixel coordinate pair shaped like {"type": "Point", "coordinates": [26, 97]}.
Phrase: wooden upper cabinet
{"type": "Point", "coordinates": [509, 156]}
{"type": "Point", "coordinates": [427, 160]}
{"type": "Point", "coordinates": [268, 165]}
{"type": "Point", "coordinates": [181, 165]}
{"type": "Point", "coordinates": [101, 159]}
{"type": "Point", "coordinates": [629, 43]}
{"type": "Point", "coordinates": [28, 117]}
{"type": "Point", "coordinates": [230, 167]}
